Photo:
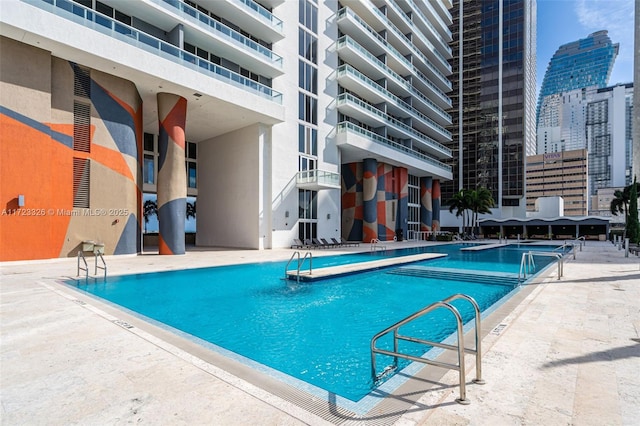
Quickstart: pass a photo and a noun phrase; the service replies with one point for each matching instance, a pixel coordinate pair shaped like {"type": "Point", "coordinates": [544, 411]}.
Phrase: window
{"type": "Point", "coordinates": [149, 142]}
{"type": "Point", "coordinates": [307, 140]}
{"type": "Point", "coordinates": [308, 77]}
{"type": "Point", "coordinates": [191, 156]}
{"type": "Point", "coordinates": [308, 16]}
{"type": "Point", "coordinates": [191, 175]}
{"type": "Point", "coordinates": [148, 172]}
{"type": "Point", "coordinates": [307, 204]}
{"type": "Point", "coordinates": [307, 46]}
{"type": "Point", "coordinates": [307, 108]}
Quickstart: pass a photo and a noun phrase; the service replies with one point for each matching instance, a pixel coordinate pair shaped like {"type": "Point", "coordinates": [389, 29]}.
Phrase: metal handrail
{"type": "Point", "coordinates": [299, 264]}
{"type": "Point", "coordinates": [86, 267]}
{"type": "Point", "coordinates": [460, 348]}
{"type": "Point", "coordinates": [565, 245]}
{"type": "Point", "coordinates": [531, 264]}
{"type": "Point", "coordinates": [375, 244]}
{"type": "Point", "coordinates": [104, 264]}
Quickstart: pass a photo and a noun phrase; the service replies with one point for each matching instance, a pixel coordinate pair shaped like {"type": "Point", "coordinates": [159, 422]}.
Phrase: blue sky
{"type": "Point", "coordinates": [564, 21]}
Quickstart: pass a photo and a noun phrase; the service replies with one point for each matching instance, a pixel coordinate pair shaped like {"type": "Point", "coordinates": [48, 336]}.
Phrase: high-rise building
{"type": "Point", "coordinates": [559, 174]}
{"type": "Point", "coordinates": [286, 119]}
{"type": "Point", "coordinates": [596, 119]}
{"type": "Point", "coordinates": [493, 99]}
{"type": "Point", "coordinates": [583, 63]}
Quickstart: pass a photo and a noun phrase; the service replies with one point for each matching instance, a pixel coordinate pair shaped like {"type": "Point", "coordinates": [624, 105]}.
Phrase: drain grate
{"type": "Point", "coordinates": [498, 329]}
{"type": "Point", "coordinates": [123, 324]}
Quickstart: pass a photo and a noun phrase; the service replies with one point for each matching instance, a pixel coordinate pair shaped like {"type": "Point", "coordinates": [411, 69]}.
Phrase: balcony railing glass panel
{"type": "Point", "coordinates": [87, 17]}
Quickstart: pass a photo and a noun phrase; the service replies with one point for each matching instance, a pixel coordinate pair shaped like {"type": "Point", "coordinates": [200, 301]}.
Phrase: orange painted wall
{"type": "Point", "coordinates": [33, 165]}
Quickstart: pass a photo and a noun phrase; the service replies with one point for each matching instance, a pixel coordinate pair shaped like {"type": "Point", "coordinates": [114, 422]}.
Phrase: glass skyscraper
{"type": "Point", "coordinates": [584, 63]}
{"type": "Point", "coordinates": [493, 98]}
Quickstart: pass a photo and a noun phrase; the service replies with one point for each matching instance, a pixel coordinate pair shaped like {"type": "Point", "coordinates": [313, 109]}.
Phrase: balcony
{"type": "Point", "coordinates": [373, 117]}
{"type": "Point", "coordinates": [316, 180]}
{"type": "Point", "coordinates": [274, 31]}
{"type": "Point", "coordinates": [356, 143]}
{"type": "Point", "coordinates": [351, 24]}
{"type": "Point", "coordinates": [90, 19]}
{"type": "Point", "coordinates": [231, 44]}
{"type": "Point", "coordinates": [355, 81]}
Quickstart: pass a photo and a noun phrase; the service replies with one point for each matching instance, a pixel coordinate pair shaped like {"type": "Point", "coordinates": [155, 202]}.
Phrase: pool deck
{"type": "Point", "coordinates": [561, 352]}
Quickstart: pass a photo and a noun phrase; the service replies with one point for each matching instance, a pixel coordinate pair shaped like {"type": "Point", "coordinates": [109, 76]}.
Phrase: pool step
{"type": "Point", "coordinates": [480, 277]}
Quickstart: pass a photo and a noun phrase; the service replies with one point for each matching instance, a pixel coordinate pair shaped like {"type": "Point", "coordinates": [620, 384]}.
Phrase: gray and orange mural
{"type": "Point", "coordinates": [172, 180]}
{"type": "Point", "coordinates": [374, 201]}
{"type": "Point", "coordinates": [70, 149]}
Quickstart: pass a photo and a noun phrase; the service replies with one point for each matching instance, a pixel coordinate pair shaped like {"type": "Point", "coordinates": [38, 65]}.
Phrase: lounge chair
{"type": "Point", "coordinates": [336, 242]}
{"type": "Point", "coordinates": [328, 244]}
{"type": "Point", "coordinates": [298, 244]}
{"type": "Point", "coordinates": [319, 243]}
{"type": "Point", "coordinates": [310, 244]}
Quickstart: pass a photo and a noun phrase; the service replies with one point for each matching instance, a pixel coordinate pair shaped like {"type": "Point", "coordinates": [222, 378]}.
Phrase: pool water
{"type": "Point", "coordinates": [317, 332]}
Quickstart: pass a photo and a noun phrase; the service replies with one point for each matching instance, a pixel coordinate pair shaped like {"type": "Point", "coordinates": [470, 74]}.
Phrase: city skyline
{"type": "Point", "coordinates": [579, 18]}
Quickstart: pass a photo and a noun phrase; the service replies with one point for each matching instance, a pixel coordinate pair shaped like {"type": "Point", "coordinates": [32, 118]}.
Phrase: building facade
{"type": "Point", "coordinates": [583, 63]}
{"type": "Point", "coordinates": [599, 120]}
{"type": "Point", "coordinates": [283, 119]}
{"type": "Point", "coordinates": [493, 99]}
{"type": "Point", "coordinates": [559, 174]}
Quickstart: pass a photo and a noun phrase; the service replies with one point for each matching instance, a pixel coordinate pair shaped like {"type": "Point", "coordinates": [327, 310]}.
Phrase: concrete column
{"type": "Point", "coordinates": [172, 178]}
{"type": "Point", "coordinates": [369, 199]}
{"type": "Point", "coordinates": [426, 206]}
{"type": "Point", "coordinates": [435, 197]}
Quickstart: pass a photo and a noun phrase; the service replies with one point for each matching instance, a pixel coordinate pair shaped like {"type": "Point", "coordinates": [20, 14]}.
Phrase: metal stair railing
{"type": "Point", "coordinates": [300, 262]}
{"type": "Point", "coordinates": [375, 245]}
{"type": "Point", "coordinates": [104, 264]}
{"type": "Point", "coordinates": [80, 268]}
{"type": "Point", "coordinates": [460, 348]}
{"type": "Point", "coordinates": [530, 263]}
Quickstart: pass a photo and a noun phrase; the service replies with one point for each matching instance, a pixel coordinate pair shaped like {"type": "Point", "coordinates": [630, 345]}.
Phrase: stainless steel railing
{"type": "Point", "coordinates": [459, 347]}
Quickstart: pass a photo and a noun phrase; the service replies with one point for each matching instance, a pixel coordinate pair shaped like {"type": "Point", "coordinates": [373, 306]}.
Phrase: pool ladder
{"type": "Point", "coordinates": [527, 263]}
{"type": "Point", "coordinates": [85, 268]}
{"type": "Point", "coordinates": [459, 347]}
{"type": "Point", "coordinates": [300, 262]}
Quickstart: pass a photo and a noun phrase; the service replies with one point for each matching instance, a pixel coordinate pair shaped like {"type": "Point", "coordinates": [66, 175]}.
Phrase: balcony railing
{"type": "Point", "coordinates": [345, 127]}
{"type": "Point", "coordinates": [425, 20]}
{"type": "Point", "coordinates": [348, 41]}
{"type": "Point", "coordinates": [390, 26]}
{"type": "Point", "coordinates": [346, 12]}
{"type": "Point", "coordinates": [348, 69]}
{"type": "Point", "coordinates": [96, 21]}
{"type": "Point", "coordinates": [209, 24]}
{"type": "Point", "coordinates": [390, 121]}
{"type": "Point", "coordinates": [416, 32]}
{"type": "Point", "coordinates": [318, 179]}
{"type": "Point", "coordinates": [262, 13]}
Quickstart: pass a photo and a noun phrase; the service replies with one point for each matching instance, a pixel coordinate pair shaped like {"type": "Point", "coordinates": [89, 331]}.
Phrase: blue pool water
{"type": "Point", "coordinates": [317, 332]}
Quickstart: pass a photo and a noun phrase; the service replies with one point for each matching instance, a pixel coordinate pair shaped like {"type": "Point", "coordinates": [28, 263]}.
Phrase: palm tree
{"type": "Point", "coordinates": [620, 204]}
{"type": "Point", "coordinates": [480, 202]}
{"type": "Point", "coordinates": [460, 203]}
{"type": "Point", "coordinates": [149, 209]}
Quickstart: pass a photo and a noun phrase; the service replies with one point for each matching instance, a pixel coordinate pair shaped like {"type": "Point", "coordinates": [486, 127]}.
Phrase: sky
{"type": "Point", "coordinates": [564, 21]}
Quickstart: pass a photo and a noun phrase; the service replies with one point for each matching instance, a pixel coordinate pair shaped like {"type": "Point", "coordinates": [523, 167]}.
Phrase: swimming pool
{"type": "Point", "coordinates": [316, 332]}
